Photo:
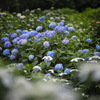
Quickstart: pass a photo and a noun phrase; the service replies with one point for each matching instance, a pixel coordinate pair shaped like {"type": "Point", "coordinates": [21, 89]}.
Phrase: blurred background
{"type": "Point", "coordinates": [21, 5]}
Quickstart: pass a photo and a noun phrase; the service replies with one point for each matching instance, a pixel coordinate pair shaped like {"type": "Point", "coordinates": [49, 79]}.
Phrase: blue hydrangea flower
{"type": "Point", "coordinates": [6, 52]}
{"type": "Point", "coordinates": [66, 27]}
{"type": "Point", "coordinates": [74, 37]}
{"type": "Point", "coordinates": [66, 32]}
{"type": "Point", "coordinates": [87, 58]}
{"type": "Point", "coordinates": [50, 34]}
{"type": "Point", "coordinates": [30, 57]}
{"type": "Point", "coordinates": [58, 66]}
{"type": "Point", "coordinates": [59, 29]}
{"type": "Point", "coordinates": [4, 39]}
{"type": "Point", "coordinates": [71, 29]}
{"type": "Point", "coordinates": [14, 41]}
{"type": "Point", "coordinates": [13, 35]}
{"type": "Point", "coordinates": [98, 47]}
{"type": "Point", "coordinates": [67, 71]}
{"type": "Point", "coordinates": [33, 33]}
{"type": "Point", "coordinates": [80, 51]}
{"type": "Point", "coordinates": [85, 50]}
{"type": "Point", "coordinates": [14, 51]}
{"type": "Point", "coordinates": [52, 25]}
{"type": "Point", "coordinates": [24, 36]}
{"type": "Point", "coordinates": [88, 40]}
{"type": "Point", "coordinates": [65, 41]}
{"type": "Point", "coordinates": [61, 24]}
{"type": "Point", "coordinates": [12, 57]}
{"type": "Point", "coordinates": [7, 44]}
{"type": "Point", "coordinates": [41, 18]}
{"type": "Point", "coordinates": [39, 28]}
{"type": "Point", "coordinates": [96, 53]}
{"type": "Point", "coordinates": [50, 53]}
{"type": "Point", "coordinates": [20, 65]}
{"type": "Point", "coordinates": [48, 74]}
{"type": "Point", "coordinates": [46, 44]}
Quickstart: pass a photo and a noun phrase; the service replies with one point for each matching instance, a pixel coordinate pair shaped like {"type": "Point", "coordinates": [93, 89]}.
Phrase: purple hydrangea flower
{"type": "Point", "coordinates": [24, 36]}
{"type": "Point", "coordinates": [39, 28]}
{"type": "Point", "coordinates": [52, 25]}
{"type": "Point", "coordinates": [66, 32]}
{"type": "Point", "coordinates": [65, 41]}
{"type": "Point", "coordinates": [6, 52]}
{"type": "Point", "coordinates": [46, 44]}
{"type": "Point", "coordinates": [50, 53]}
{"type": "Point", "coordinates": [67, 71]}
{"type": "Point", "coordinates": [58, 66]}
{"type": "Point", "coordinates": [7, 44]}
{"type": "Point", "coordinates": [30, 57]}
{"type": "Point", "coordinates": [88, 40]}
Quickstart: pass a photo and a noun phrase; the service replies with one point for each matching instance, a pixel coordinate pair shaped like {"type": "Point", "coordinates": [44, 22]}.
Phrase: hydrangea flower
{"type": "Point", "coordinates": [48, 74]}
{"type": "Point", "coordinates": [33, 33]}
{"type": "Point", "coordinates": [47, 58]}
{"type": "Point", "coordinates": [50, 53]}
{"type": "Point", "coordinates": [50, 34]}
{"type": "Point", "coordinates": [71, 29]}
{"type": "Point", "coordinates": [20, 65]}
{"type": "Point", "coordinates": [66, 27]}
{"type": "Point", "coordinates": [13, 35]}
{"type": "Point", "coordinates": [24, 36]}
{"type": "Point", "coordinates": [59, 29]}
{"type": "Point", "coordinates": [41, 18]}
{"type": "Point", "coordinates": [0, 48]}
{"type": "Point", "coordinates": [67, 71]}
{"type": "Point", "coordinates": [4, 39]}
{"type": "Point", "coordinates": [88, 40]}
{"type": "Point", "coordinates": [66, 32]}
{"type": "Point", "coordinates": [12, 57]}
{"type": "Point", "coordinates": [36, 68]}
{"type": "Point", "coordinates": [6, 52]}
{"type": "Point", "coordinates": [22, 41]}
{"type": "Point", "coordinates": [98, 47]}
{"type": "Point", "coordinates": [52, 25]}
{"type": "Point", "coordinates": [14, 41]}
{"type": "Point", "coordinates": [39, 28]}
{"type": "Point", "coordinates": [61, 23]}
{"type": "Point", "coordinates": [30, 57]}
{"type": "Point", "coordinates": [74, 37]}
{"type": "Point", "coordinates": [96, 53]}
{"type": "Point", "coordinates": [14, 51]}
{"type": "Point", "coordinates": [58, 66]}
{"type": "Point", "coordinates": [65, 41]}
{"type": "Point", "coordinates": [85, 50]}
{"type": "Point", "coordinates": [46, 44]}
{"type": "Point", "coordinates": [7, 44]}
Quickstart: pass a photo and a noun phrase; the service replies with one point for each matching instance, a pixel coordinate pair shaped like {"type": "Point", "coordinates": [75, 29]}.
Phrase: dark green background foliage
{"type": "Point", "coordinates": [20, 5]}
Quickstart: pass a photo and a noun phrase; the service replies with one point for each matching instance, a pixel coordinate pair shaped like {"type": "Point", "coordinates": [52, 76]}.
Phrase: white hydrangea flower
{"type": "Point", "coordinates": [94, 57]}
{"type": "Point", "coordinates": [77, 59]}
{"type": "Point", "coordinates": [47, 58]}
{"type": "Point", "coordinates": [37, 67]}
